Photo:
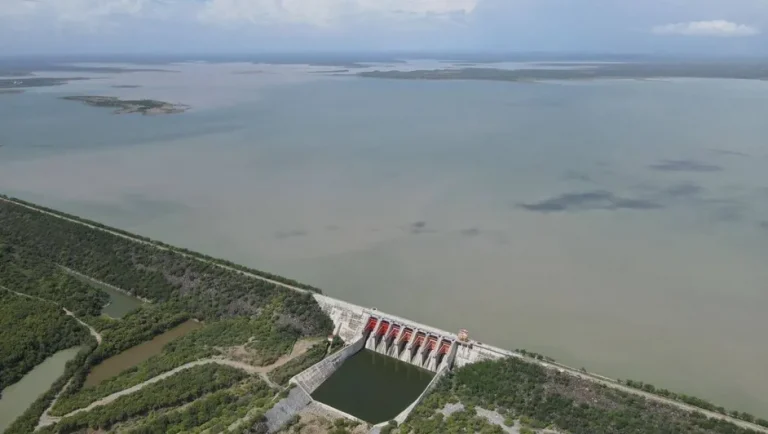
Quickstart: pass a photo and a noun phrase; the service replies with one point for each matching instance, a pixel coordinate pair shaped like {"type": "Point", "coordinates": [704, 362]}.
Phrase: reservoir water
{"type": "Point", "coordinates": [617, 225]}
{"type": "Point", "coordinates": [135, 355]}
{"type": "Point", "coordinates": [373, 387]}
{"type": "Point", "coordinates": [17, 397]}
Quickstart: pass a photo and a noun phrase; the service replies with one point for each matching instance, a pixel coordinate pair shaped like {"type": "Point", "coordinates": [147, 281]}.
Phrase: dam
{"type": "Point", "coordinates": [420, 353]}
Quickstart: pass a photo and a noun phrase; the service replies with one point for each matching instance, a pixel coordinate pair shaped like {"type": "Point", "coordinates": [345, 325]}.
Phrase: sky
{"type": "Point", "coordinates": [729, 27]}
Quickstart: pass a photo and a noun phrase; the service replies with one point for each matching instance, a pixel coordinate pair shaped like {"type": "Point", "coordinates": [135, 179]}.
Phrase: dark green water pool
{"type": "Point", "coordinates": [373, 387]}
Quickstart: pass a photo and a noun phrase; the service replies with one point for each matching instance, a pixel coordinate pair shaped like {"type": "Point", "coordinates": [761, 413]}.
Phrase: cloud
{"type": "Point", "coordinates": [18, 8]}
{"type": "Point", "coordinates": [684, 166]}
{"type": "Point", "coordinates": [706, 28]}
{"type": "Point", "coordinates": [586, 201]}
{"type": "Point", "coordinates": [325, 13]}
{"type": "Point", "coordinates": [90, 12]}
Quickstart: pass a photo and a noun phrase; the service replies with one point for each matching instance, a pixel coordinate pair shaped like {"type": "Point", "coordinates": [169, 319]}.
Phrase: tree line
{"type": "Point", "coordinates": [180, 388]}
{"type": "Point", "coordinates": [212, 259]}
{"type": "Point", "coordinates": [236, 309]}
{"type": "Point", "coordinates": [696, 402]}
{"type": "Point", "coordinates": [520, 390]}
{"type": "Point", "coordinates": [206, 290]}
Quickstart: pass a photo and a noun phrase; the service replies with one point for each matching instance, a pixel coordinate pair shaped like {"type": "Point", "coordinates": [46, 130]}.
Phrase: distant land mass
{"type": "Point", "coordinates": [13, 83]}
{"type": "Point", "coordinates": [593, 71]}
{"type": "Point", "coordinates": [124, 106]}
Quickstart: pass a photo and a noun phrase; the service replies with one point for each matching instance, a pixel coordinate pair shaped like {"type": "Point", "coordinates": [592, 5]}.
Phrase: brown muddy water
{"type": "Point", "coordinates": [135, 355]}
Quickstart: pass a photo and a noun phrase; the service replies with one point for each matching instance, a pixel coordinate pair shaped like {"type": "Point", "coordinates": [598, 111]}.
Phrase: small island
{"type": "Point", "coordinates": [125, 106]}
{"type": "Point", "coordinates": [333, 71]}
{"type": "Point", "coordinates": [11, 91]}
{"type": "Point", "coordinates": [126, 86]}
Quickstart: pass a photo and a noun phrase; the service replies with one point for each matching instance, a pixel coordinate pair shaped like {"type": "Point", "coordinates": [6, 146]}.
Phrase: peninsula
{"type": "Point", "coordinates": [733, 70]}
{"type": "Point", "coordinates": [126, 106]}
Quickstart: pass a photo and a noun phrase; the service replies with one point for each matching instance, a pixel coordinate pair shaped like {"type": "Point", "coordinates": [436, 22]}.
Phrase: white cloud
{"type": "Point", "coordinates": [16, 8]}
{"type": "Point", "coordinates": [92, 14]}
{"type": "Point", "coordinates": [76, 11]}
{"type": "Point", "coordinates": [707, 28]}
{"type": "Point", "coordinates": [324, 13]}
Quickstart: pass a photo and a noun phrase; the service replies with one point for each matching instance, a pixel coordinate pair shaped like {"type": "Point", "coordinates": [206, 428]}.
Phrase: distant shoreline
{"type": "Point", "coordinates": [632, 71]}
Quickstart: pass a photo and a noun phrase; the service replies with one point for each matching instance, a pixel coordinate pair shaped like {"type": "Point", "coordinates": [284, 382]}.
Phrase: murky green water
{"type": "Point", "coordinates": [119, 303]}
{"type": "Point", "coordinates": [17, 397]}
{"type": "Point", "coordinates": [135, 355]}
{"type": "Point", "coordinates": [373, 387]}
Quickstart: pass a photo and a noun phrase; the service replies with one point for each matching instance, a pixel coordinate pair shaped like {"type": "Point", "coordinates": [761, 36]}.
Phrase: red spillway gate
{"type": "Point", "coordinates": [431, 343]}
{"type": "Point", "coordinates": [371, 324]}
{"type": "Point", "coordinates": [395, 330]}
{"type": "Point", "coordinates": [406, 336]}
{"type": "Point", "coordinates": [419, 339]}
{"type": "Point", "coordinates": [383, 328]}
{"type": "Point", "coordinates": [445, 346]}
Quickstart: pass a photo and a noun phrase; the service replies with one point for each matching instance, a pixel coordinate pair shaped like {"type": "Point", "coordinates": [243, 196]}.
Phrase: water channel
{"type": "Point", "coordinates": [20, 395]}
{"type": "Point", "coordinates": [373, 387]}
{"type": "Point", "coordinates": [119, 303]}
{"type": "Point", "coordinates": [135, 355]}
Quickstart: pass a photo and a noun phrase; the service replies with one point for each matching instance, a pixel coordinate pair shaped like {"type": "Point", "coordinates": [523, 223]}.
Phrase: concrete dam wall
{"type": "Point", "coordinates": [411, 342]}
{"type": "Point", "coordinates": [408, 343]}
{"type": "Point", "coordinates": [315, 375]}
{"type": "Point", "coordinates": [420, 345]}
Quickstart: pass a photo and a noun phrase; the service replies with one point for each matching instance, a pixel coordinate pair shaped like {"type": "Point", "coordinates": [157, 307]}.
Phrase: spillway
{"type": "Point", "coordinates": [422, 348]}
{"type": "Point", "coordinates": [387, 361]}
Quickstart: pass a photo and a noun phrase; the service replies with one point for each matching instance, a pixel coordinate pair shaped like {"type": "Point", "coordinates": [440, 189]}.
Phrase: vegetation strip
{"type": "Point", "coordinates": [541, 398]}
{"type": "Point", "coordinates": [268, 277]}
{"type": "Point", "coordinates": [262, 316]}
{"type": "Point", "coordinates": [30, 332]}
